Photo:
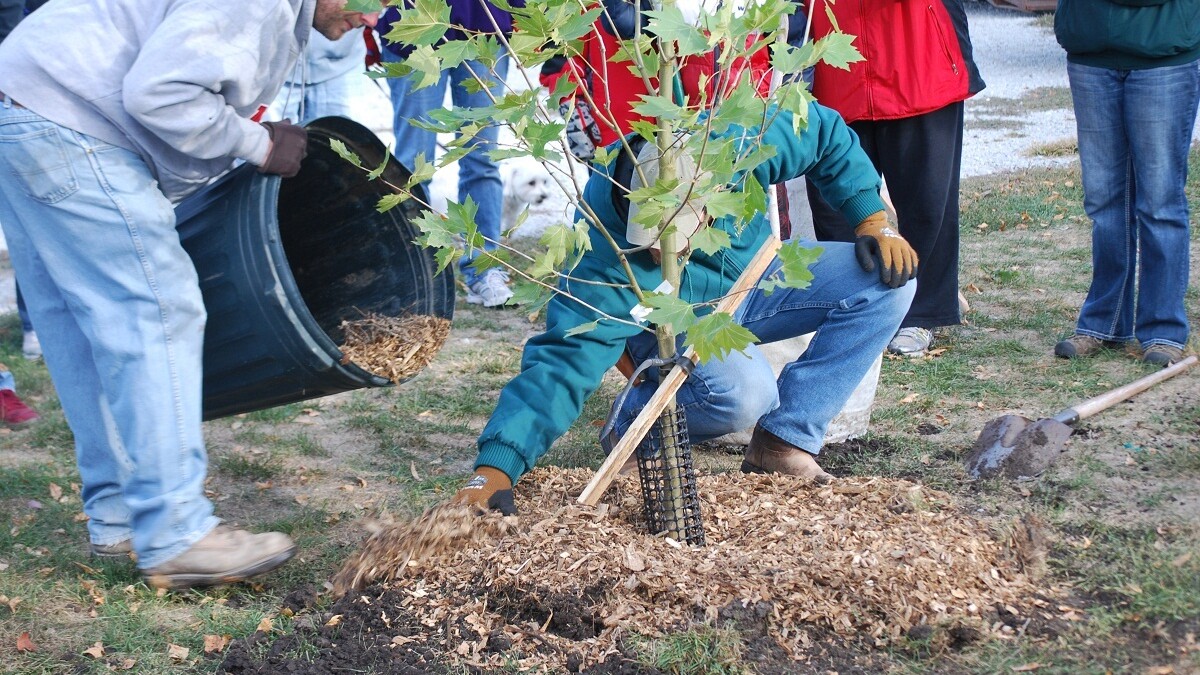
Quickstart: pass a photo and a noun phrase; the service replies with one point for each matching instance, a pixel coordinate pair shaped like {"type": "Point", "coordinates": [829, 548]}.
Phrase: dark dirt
{"type": "Point", "coordinates": [927, 429]}
{"type": "Point", "coordinates": [837, 458]}
{"type": "Point", "coordinates": [370, 632]}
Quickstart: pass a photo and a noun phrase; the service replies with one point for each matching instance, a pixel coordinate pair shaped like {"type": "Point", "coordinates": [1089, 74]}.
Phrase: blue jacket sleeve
{"type": "Point", "coordinates": [620, 18]}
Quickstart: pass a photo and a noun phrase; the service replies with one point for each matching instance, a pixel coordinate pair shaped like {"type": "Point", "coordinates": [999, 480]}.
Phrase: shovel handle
{"type": "Point", "coordinates": [1112, 397]}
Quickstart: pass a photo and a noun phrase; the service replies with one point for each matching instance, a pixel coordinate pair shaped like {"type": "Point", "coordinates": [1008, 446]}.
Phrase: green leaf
{"type": "Point", "coordinates": [559, 241]}
{"type": "Point", "coordinates": [445, 257]}
{"type": "Point", "coordinates": [838, 50]}
{"type": "Point", "coordinates": [742, 107]}
{"type": "Point", "coordinates": [669, 24]}
{"type": "Point", "coordinates": [344, 152]}
{"type": "Point", "coordinates": [670, 311]}
{"type": "Point", "coordinates": [717, 336]}
{"type": "Point", "coordinates": [453, 53]}
{"type": "Point", "coordinates": [378, 171]}
{"type": "Point", "coordinates": [661, 107]}
{"type": "Point", "coordinates": [529, 294]}
{"type": "Point", "coordinates": [422, 171]}
{"type": "Point", "coordinates": [645, 129]}
{"type": "Point", "coordinates": [710, 239]}
{"type": "Point", "coordinates": [426, 68]}
{"type": "Point", "coordinates": [364, 6]}
{"type": "Point", "coordinates": [793, 271]}
{"type": "Point", "coordinates": [389, 202]}
{"type": "Point", "coordinates": [423, 24]}
{"type": "Point", "coordinates": [437, 231]}
{"type": "Point", "coordinates": [725, 203]}
{"type": "Point", "coordinates": [583, 328]}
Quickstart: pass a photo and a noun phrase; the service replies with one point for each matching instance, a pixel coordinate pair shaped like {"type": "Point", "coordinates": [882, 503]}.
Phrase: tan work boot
{"type": "Point", "coordinates": [768, 453]}
{"type": "Point", "coordinates": [225, 556]}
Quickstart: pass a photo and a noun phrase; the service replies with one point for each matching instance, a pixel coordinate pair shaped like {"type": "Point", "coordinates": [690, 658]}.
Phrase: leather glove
{"type": "Point", "coordinates": [879, 243]}
{"type": "Point", "coordinates": [289, 146]}
{"type": "Point", "coordinates": [488, 490]}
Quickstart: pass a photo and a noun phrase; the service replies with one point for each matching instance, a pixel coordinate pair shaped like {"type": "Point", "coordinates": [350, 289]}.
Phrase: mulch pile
{"type": "Point", "coordinates": [395, 347]}
{"type": "Point", "coordinates": [564, 585]}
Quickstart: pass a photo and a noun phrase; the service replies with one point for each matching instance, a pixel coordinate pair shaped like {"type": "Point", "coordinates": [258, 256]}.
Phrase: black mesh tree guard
{"type": "Point", "coordinates": [668, 478]}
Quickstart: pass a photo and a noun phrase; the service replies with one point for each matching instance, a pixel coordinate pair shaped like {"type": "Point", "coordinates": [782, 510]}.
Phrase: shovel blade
{"type": "Point", "coordinates": [1017, 447]}
{"type": "Point", "coordinates": [995, 445]}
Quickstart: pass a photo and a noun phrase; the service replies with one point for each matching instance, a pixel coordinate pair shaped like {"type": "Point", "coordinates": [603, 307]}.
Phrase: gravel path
{"type": "Point", "coordinates": [1016, 54]}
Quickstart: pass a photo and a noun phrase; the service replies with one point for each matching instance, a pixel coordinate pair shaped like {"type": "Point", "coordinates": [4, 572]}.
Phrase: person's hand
{"type": "Point", "coordinates": [879, 243]}
{"type": "Point", "coordinates": [289, 146]}
{"type": "Point", "coordinates": [488, 490]}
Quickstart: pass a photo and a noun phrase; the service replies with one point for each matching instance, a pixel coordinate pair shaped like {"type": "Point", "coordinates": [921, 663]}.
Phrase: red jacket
{"type": "Point", "coordinates": [614, 88]}
{"type": "Point", "coordinates": [917, 58]}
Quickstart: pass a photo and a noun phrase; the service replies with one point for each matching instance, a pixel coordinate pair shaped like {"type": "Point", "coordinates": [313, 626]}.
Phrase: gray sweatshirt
{"type": "Point", "coordinates": [175, 81]}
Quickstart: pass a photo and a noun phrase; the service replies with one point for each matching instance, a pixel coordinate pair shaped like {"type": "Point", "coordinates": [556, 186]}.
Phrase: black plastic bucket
{"type": "Point", "coordinates": [283, 262]}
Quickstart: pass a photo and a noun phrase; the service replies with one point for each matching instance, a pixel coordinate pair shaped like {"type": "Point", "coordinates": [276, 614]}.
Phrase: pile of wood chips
{"type": "Point", "coordinates": [395, 347]}
{"type": "Point", "coordinates": [858, 557]}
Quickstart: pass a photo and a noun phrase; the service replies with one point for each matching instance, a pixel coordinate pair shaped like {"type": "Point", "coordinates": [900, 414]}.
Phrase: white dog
{"type": "Point", "coordinates": [527, 184]}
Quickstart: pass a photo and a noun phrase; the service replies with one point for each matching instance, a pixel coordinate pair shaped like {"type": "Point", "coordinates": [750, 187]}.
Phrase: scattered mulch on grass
{"type": "Point", "coordinates": [395, 347]}
{"type": "Point", "coordinates": [567, 587]}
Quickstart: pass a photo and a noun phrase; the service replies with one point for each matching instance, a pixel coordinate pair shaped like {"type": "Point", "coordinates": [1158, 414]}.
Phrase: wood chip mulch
{"type": "Point", "coordinates": [859, 557]}
{"type": "Point", "coordinates": [395, 347]}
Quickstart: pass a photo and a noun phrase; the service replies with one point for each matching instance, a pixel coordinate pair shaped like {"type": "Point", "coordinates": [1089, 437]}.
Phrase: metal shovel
{"type": "Point", "coordinates": [1017, 447]}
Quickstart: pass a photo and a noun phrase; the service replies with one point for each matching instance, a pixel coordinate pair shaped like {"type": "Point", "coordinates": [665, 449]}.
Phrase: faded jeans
{"type": "Point", "coordinates": [1135, 128]}
{"type": "Point", "coordinates": [478, 174]}
{"type": "Point", "coordinates": [119, 312]}
{"type": "Point", "coordinates": [853, 315]}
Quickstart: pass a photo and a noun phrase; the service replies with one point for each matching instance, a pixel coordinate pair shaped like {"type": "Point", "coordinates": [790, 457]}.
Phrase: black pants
{"type": "Point", "coordinates": [919, 157]}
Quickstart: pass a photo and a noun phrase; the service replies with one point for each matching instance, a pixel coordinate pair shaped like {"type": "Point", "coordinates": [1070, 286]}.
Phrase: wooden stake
{"type": "Point", "coordinates": [673, 381]}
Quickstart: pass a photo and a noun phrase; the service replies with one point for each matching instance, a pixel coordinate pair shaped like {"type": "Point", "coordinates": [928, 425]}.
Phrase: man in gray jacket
{"type": "Point", "coordinates": [147, 102]}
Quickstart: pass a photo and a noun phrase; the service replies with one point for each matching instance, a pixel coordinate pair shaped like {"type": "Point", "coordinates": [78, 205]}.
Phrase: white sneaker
{"type": "Point", "coordinates": [490, 290]}
{"type": "Point", "coordinates": [31, 347]}
{"type": "Point", "coordinates": [911, 341]}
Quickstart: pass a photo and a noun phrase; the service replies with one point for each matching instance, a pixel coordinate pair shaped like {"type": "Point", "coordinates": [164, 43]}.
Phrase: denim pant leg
{"type": "Point", "coordinates": [853, 315]}
{"type": "Point", "coordinates": [1160, 117]}
{"type": "Point", "coordinates": [409, 104]}
{"type": "Point", "coordinates": [478, 174]}
{"type": "Point", "coordinates": [122, 322]}
{"type": "Point", "coordinates": [1134, 130]}
{"type": "Point", "coordinates": [22, 310]}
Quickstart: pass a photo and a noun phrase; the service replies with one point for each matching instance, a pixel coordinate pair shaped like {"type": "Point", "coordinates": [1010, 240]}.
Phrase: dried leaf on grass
{"type": "Point", "coordinates": [395, 347]}
{"type": "Point", "coordinates": [859, 557]}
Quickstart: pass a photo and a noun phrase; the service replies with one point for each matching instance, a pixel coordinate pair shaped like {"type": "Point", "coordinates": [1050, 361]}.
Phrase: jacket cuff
{"type": "Point", "coordinates": [255, 144]}
{"type": "Point", "coordinates": [862, 205]}
{"type": "Point", "coordinates": [500, 456]}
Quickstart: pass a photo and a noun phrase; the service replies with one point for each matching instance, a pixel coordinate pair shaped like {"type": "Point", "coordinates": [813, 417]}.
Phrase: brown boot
{"type": "Point", "coordinates": [225, 556]}
{"type": "Point", "coordinates": [768, 453]}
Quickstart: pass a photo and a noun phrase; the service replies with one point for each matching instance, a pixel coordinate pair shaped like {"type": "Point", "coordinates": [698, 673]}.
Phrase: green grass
{"type": "Point", "coordinates": [1145, 576]}
{"type": "Point", "coordinates": [699, 651]}
{"type": "Point", "coordinates": [248, 467]}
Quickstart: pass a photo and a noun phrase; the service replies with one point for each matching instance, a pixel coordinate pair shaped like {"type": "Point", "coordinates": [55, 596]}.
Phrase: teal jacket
{"type": "Point", "coordinates": [560, 371]}
{"type": "Point", "coordinates": [1129, 34]}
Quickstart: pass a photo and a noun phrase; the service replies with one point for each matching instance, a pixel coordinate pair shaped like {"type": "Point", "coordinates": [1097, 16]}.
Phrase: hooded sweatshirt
{"type": "Point", "coordinates": [176, 81]}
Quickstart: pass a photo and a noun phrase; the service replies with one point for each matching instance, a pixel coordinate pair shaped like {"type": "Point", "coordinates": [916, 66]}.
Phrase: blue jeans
{"type": "Point", "coordinates": [119, 312]}
{"type": "Point", "coordinates": [853, 315]}
{"type": "Point", "coordinates": [22, 310]}
{"type": "Point", "coordinates": [1135, 127]}
{"type": "Point", "coordinates": [478, 175]}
